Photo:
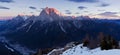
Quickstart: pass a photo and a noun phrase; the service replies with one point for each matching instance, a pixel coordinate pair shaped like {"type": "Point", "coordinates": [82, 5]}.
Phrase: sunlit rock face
{"type": "Point", "coordinates": [50, 14]}
{"type": "Point", "coordinates": [50, 11]}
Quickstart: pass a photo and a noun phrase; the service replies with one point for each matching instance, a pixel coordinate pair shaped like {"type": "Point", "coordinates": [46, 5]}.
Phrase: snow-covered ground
{"type": "Point", "coordinates": [80, 50]}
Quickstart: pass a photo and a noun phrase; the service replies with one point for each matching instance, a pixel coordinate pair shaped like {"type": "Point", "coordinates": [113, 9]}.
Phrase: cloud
{"type": "Point", "coordinates": [82, 7]}
{"type": "Point", "coordinates": [38, 10]}
{"type": "Point", "coordinates": [86, 11]}
{"type": "Point", "coordinates": [104, 5]}
{"type": "Point", "coordinates": [31, 7]}
{"type": "Point", "coordinates": [88, 1]}
{"type": "Point", "coordinates": [109, 14]}
{"type": "Point", "coordinates": [1, 7]}
{"type": "Point", "coordinates": [68, 12]}
{"type": "Point", "coordinates": [77, 13]}
{"type": "Point", "coordinates": [7, 1]}
{"type": "Point", "coordinates": [42, 8]}
{"type": "Point", "coordinates": [101, 10]}
{"type": "Point", "coordinates": [31, 12]}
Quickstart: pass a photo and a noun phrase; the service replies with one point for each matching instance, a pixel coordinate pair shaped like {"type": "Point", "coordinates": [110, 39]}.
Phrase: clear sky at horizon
{"type": "Point", "coordinates": [93, 8]}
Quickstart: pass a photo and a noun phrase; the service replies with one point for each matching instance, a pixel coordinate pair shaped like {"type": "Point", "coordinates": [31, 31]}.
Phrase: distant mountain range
{"type": "Point", "coordinates": [53, 29]}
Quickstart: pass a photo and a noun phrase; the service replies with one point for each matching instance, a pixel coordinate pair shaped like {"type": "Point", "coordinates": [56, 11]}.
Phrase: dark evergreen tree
{"type": "Point", "coordinates": [86, 41]}
{"type": "Point", "coordinates": [108, 43]}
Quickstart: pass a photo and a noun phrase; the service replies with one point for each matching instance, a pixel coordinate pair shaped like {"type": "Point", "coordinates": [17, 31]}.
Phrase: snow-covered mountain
{"type": "Point", "coordinates": [50, 24]}
{"type": "Point", "coordinates": [52, 29]}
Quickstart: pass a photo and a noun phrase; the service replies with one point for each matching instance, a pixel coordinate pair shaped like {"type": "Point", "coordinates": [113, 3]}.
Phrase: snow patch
{"type": "Point", "coordinates": [77, 24]}
{"type": "Point", "coordinates": [62, 27]}
{"type": "Point", "coordinates": [80, 50]}
{"type": "Point", "coordinates": [30, 26]}
{"type": "Point", "coordinates": [9, 48]}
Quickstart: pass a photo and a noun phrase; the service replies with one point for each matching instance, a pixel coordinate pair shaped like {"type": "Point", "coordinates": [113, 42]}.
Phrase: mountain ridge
{"type": "Point", "coordinates": [48, 33]}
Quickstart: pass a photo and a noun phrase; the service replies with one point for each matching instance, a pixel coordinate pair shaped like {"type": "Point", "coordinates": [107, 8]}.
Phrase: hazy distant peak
{"type": "Point", "coordinates": [19, 16]}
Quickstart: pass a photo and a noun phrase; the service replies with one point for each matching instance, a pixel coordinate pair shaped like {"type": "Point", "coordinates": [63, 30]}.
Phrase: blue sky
{"type": "Point", "coordinates": [92, 8]}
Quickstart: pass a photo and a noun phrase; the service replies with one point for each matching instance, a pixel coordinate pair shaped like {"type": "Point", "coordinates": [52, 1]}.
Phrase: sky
{"type": "Point", "coordinates": [92, 8]}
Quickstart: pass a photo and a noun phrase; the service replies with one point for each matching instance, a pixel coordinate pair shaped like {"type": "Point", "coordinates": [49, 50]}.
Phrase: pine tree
{"type": "Point", "coordinates": [108, 43]}
{"type": "Point", "coordinates": [86, 41]}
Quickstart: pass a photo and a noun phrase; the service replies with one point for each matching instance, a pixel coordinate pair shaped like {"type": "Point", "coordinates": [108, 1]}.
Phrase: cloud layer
{"type": "Point", "coordinates": [109, 14]}
{"type": "Point", "coordinates": [68, 12]}
{"type": "Point", "coordinates": [7, 1]}
{"type": "Point", "coordinates": [104, 5]}
{"type": "Point", "coordinates": [77, 13]}
{"type": "Point", "coordinates": [1, 7]}
{"type": "Point", "coordinates": [31, 7]}
{"type": "Point", "coordinates": [89, 1]}
{"type": "Point", "coordinates": [82, 7]}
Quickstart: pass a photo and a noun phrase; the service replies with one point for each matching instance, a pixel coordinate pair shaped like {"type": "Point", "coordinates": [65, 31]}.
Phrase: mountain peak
{"type": "Point", "coordinates": [18, 16]}
{"type": "Point", "coordinates": [50, 11]}
{"type": "Point", "coordinates": [50, 14]}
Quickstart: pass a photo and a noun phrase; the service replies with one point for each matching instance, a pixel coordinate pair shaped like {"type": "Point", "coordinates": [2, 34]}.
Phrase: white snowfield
{"type": "Point", "coordinates": [79, 50]}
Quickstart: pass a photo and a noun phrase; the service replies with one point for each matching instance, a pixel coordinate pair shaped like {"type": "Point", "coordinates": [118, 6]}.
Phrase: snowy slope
{"type": "Point", "coordinates": [80, 50]}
